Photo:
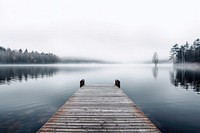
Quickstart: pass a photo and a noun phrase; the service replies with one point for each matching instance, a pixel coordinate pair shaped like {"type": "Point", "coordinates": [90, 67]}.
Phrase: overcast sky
{"type": "Point", "coordinates": [119, 30]}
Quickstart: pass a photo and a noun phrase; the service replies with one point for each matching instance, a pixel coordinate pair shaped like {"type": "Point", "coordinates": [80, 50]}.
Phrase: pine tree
{"type": "Point", "coordinates": [155, 58]}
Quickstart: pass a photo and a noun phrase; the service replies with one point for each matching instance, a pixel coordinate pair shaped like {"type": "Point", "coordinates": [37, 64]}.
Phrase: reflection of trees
{"type": "Point", "coordinates": [155, 71]}
{"type": "Point", "coordinates": [186, 79]}
{"type": "Point", "coordinates": [24, 73]}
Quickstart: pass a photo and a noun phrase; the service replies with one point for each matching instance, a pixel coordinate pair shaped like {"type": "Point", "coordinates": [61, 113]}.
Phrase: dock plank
{"type": "Point", "coordinates": [99, 108]}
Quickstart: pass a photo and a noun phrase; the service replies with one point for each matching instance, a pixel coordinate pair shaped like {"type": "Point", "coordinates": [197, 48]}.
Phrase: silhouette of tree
{"type": "Point", "coordinates": [174, 52]}
{"type": "Point", "coordinates": [155, 58]}
{"type": "Point", "coordinates": [18, 56]}
{"type": "Point", "coordinates": [186, 52]}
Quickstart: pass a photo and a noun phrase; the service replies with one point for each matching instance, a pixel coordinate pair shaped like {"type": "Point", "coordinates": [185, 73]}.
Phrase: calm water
{"type": "Point", "coordinates": [30, 95]}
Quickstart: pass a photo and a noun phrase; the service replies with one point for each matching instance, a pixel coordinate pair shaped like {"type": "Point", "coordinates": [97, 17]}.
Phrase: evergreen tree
{"type": "Point", "coordinates": [18, 56]}
{"type": "Point", "coordinates": [155, 58]}
{"type": "Point", "coordinates": [186, 52]}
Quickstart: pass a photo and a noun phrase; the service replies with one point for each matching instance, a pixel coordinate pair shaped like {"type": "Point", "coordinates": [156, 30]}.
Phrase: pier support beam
{"type": "Point", "coordinates": [117, 83]}
{"type": "Point", "coordinates": [82, 83]}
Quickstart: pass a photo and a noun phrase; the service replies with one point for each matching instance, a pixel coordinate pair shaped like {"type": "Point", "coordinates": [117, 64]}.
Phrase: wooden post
{"type": "Point", "coordinates": [117, 83]}
{"type": "Point", "coordinates": [82, 83]}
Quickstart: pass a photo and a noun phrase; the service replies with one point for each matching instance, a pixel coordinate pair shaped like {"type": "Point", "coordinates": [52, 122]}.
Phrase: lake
{"type": "Point", "coordinates": [167, 94]}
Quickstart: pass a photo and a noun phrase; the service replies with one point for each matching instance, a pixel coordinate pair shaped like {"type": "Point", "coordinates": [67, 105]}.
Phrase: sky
{"type": "Point", "coordinates": [112, 30]}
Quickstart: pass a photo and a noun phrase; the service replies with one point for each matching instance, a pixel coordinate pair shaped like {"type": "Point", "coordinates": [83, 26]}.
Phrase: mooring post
{"type": "Point", "coordinates": [82, 82]}
{"type": "Point", "coordinates": [117, 83]}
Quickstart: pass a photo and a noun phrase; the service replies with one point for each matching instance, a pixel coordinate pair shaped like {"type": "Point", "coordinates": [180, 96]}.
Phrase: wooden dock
{"type": "Point", "coordinates": [99, 108]}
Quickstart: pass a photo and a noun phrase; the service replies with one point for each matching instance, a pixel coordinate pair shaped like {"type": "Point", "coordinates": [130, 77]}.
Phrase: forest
{"type": "Point", "coordinates": [8, 56]}
{"type": "Point", "coordinates": [186, 53]}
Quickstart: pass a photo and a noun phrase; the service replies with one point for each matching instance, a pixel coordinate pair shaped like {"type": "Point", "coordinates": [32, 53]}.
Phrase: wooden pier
{"type": "Point", "coordinates": [99, 108]}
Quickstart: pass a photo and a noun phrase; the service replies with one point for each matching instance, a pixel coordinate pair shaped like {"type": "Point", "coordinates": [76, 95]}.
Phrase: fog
{"type": "Point", "coordinates": [114, 30]}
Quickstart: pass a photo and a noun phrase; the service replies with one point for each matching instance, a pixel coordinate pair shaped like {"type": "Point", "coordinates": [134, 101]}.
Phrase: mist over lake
{"type": "Point", "coordinates": [107, 65]}
{"type": "Point", "coordinates": [31, 94]}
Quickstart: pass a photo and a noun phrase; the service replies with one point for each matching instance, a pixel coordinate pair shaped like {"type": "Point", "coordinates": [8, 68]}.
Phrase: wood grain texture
{"type": "Point", "coordinates": [99, 108]}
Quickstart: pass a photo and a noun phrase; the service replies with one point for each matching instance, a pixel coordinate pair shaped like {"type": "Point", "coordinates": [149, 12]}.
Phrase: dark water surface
{"type": "Point", "coordinates": [169, 96]}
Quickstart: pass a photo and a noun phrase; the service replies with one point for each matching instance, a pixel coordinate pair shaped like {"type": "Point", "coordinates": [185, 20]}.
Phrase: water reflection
{"type": "Point", "coordinates": [26, 106]}
{"type": "Point", "coordinates": [155, 71]}
{"type": "Point", "coordinates": [186, 78]}
{"type": "Point", "coordinates": [20, 73]}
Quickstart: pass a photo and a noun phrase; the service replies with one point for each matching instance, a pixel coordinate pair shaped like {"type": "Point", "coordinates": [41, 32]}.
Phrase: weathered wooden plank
{"type": "Point", "coordinates": [97, 130]}
{"type": "Point", "coordinates": [97, 114]}
{"type": "Point", "coordinates": [146, 122]}
{"type": "Point", "coordinates": [100, 123]}
{"type": "Point", "coordinates": [101, 126]}
{"type": "Point", "coordinates": [99, 108]}
{"type": "Point", "coordinates": [67, 120]}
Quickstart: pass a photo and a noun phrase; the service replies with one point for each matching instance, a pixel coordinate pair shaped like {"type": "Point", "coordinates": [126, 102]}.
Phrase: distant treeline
{"type": "Point", "coordinates": [82, 61]}
{"type": "Point", "coordinates": [186, 53]}
{"type": "Point", "coordinates": [9, 56]}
